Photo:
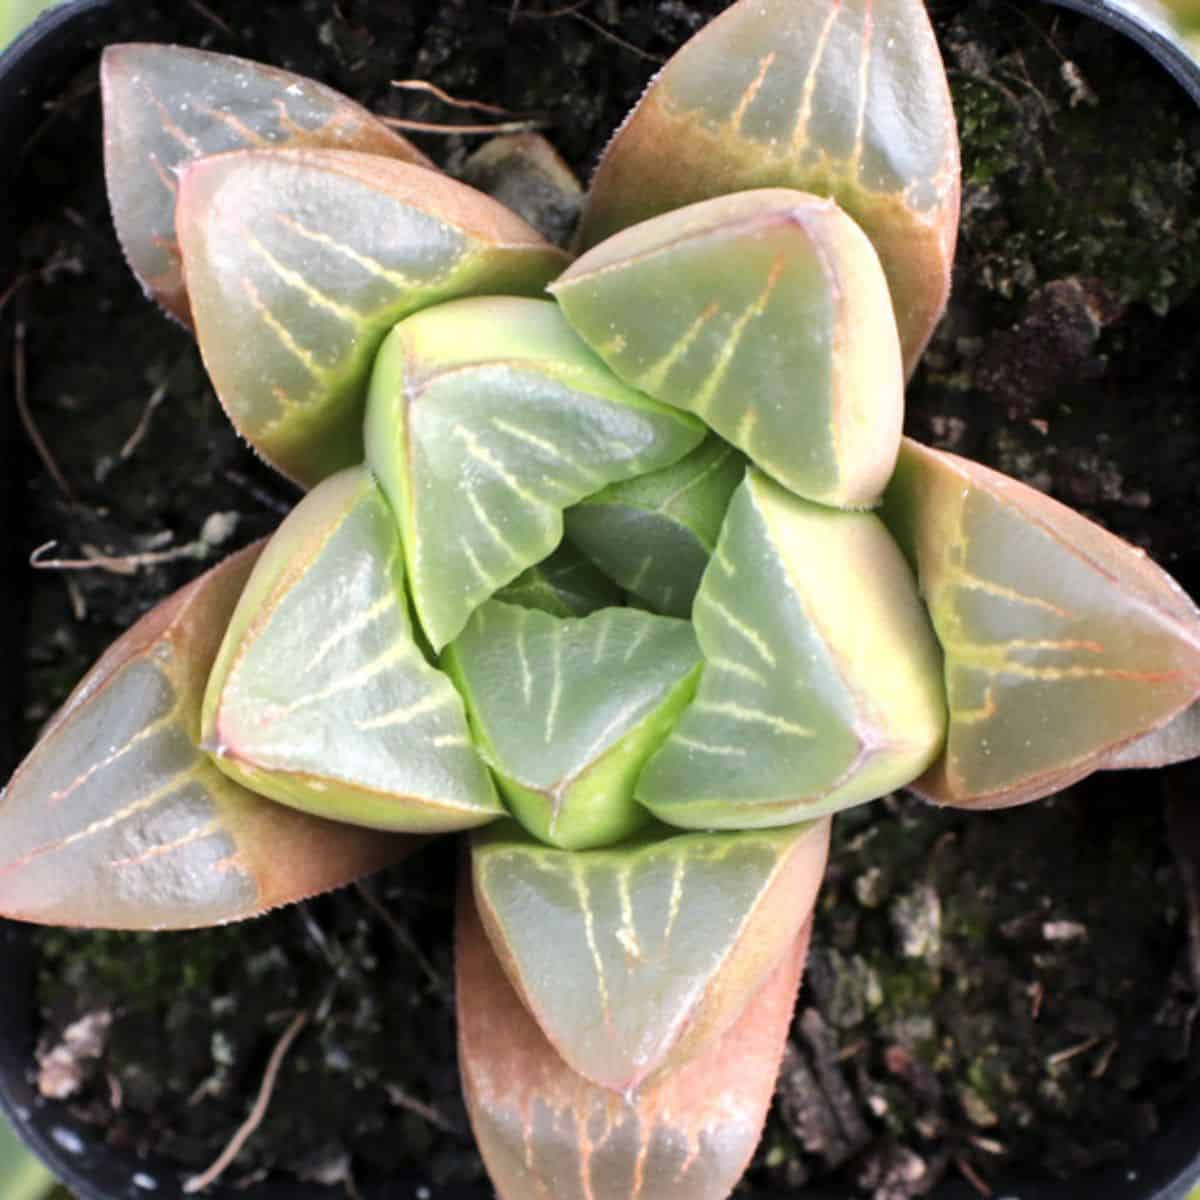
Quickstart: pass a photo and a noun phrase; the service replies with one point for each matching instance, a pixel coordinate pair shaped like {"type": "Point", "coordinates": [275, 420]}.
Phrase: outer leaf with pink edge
{"type": "Point", "coordinates": [665, 939]}
{"type": "Point", "coordinates": [847, 100]}
{"type": "Point", "coordinates": [167, 105]}
{"type": "Point", "coordinates": [298, 262]}
{"type": "Point", "coordinates": [148, 834]}
{"type": "Point", "coordinates": [1063, 644]}
{"type": "Point", "coordinates": [547, 1133]}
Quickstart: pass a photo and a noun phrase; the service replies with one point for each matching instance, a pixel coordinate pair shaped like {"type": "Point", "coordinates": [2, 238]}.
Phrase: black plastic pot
{"type": "Point", "coordinates": [31, 71]}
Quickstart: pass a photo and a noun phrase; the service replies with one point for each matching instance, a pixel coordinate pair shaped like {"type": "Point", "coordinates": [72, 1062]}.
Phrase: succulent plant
{"type": "Point", "coordinates": [619, 561]}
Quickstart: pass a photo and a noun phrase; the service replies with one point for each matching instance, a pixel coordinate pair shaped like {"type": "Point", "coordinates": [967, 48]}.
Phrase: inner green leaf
{"type": "Point", "coordinates": [486, 419]}
{"type": "Point", "coordinates": [567, 711]}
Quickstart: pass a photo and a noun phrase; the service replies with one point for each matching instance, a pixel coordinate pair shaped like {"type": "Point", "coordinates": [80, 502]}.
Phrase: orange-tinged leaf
{"type": "Point", "coordinates": [167, 105]}
{"type": "Point", "coordinates": [845, 99]}
{"type": "Point", "coordinates": [298, 262]}
{"type": "Point", "coordinates": [547, 1133]}
{"type": "Point", "coordinates": [1062, 643]}
{"type": "Point", "coordinates": [117, 820]}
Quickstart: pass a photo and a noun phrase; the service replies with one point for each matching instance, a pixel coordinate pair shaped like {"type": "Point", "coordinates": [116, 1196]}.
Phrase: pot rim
{"type": "Point", "coordinates": [33, 65]}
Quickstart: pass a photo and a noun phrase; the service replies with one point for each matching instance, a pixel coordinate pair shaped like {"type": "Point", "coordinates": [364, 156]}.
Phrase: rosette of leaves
{"type": "Point", "coordinates": [620, 563]}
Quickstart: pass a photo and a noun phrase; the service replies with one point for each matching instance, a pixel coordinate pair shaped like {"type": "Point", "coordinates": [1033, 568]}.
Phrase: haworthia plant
{"type": "Point", "coordinates": [767, 315]}
{"type": "Point", "coordinates": [610, 567]}
{"type": "Point", "coordinates": [118, 819]}
{"type": "Point", "coordinates": [320, 654]}
{"type": "Point", "coordinates": [486, 419]}
{"type": "Point", "coordinates": [334, 248]}
{"type": "Point", "coordinates": [845, 99]}
{"type": "Point", "coordinates": [165, 106]}
{"type": "Point", "coordinates": [568, 731]}
{"type": "Point", "coordinates": [654, 534]}
{"type": "Point", "coordinates": [667, 937]}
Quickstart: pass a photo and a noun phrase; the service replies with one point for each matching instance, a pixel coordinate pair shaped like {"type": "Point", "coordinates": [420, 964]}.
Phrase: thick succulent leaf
{"type": "Point", "coordinates": [847, 100]}
{"type": "Point", "coordinates": [167, 105]}
{"type": "Point", "coordinates": [665, 939]}
{"type": "Point", "coordinates": [1175, 742]}
{"type": "Point", "coordinates": [822, 679]}
{"type": "Point", "coordinates": [565, 585]}
{"type": "Point", "coordinates": [547, 1133]}
{"type": "Point", "coordinates": [299, 261]}
{"type": "Point", "coordinates": [486, 419]}
{"type": "Point", "coordinates": [766, 314]}
{"type": "Point", "coordinates": [320, 697]}
{"type": "Point", "coordinates": [654, 534]}
{"type": "Point", "coordinates": [566, 712]}
{"type": "Point", "coordinates": [117, 820]}
{"type": "Point", "coordinates": [1062, 643]}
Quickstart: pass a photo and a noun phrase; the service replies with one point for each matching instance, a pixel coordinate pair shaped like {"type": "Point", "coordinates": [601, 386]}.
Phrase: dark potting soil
{"type": "Point", "coordinates": [983, 989]}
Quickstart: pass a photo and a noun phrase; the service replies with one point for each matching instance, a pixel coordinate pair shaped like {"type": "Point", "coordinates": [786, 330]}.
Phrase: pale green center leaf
{"type": "Point", "coordinates": [818, 691]}
{"type": "Point", "coordinates": [766, 314]}
{"type": "Point", "coordinates": [321, 697]}
{"type": "Point", "coordinates": [565, 585]}
{"type": "Point", "coordinates": [654, 534]}
{"type": "Point", "coordinates": [567, 711]}
{"type": "Point", "coordinates": [486, 419]}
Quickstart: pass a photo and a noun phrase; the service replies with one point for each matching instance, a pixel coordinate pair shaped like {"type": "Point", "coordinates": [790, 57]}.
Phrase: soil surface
{"type": "Point", "coordinates": [984, 990]}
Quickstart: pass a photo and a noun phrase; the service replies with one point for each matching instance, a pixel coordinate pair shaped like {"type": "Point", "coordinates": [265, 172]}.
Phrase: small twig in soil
{"type": "Point", "coordinates": [528, 126]}
{"type": "Point", "coordinates": [572, 11]}
{"type": "Point", "coordinates": [124, 564]}
{"type": "Point", "coordinates": [1104, 1059]}
{"type": "Point", "coordinates": [1037, 994]}
{"type": "Point", "coordinates": [987, 1145]}
{"type": "Point", "coordinates": [27, 421]}
{"type": "Point", "coordinates": [401, 1099]}
{"type": "Point", "coordinates": [197, 1183]}
{"type": "Point", "coordinates": [143, 426]}
{"type": "Point", "coordinates": [972, 1176]}
{"type": "Point", "coordinates": [403, 936]}
{"type": "Point", "coordinates": [620, 41]}
{"type": "Point", "coordinates": [1061, 1057]}
{"type": "Point", "coordinates": [276, 504]}
{"type": "Point", "coordinates": [210, 16]}
{"type": "Point", "coordinates": [423, 85]}
{"type": "Point", "coordinates": [75, 595]}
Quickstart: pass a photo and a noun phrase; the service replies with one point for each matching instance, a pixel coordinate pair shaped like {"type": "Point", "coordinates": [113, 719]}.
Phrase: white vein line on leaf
{"type": "Point", "coordinates": [589, 929]}
{"type": "Point", "coordinates": [753, 716]}
{"type": "Point", "coordinates": [546, 447]}
{"type": "Point", "coordinates": [556, 683]}
{"type": "Point", "coordinates": [481, 454]}
{"type": "Point", "coordinates": [731, 343]}
{"type": "Point", "coordinates": [490, 527]}
{"type": "Point", "coordinates": [301, 353]}
{"type": "Point", "coordinates": [523, 659]}
{"type": "Point", "coordinates": [372, 266]}
{"type": "Point", "coordinates": [738, 626]}
{"type": "Point", "coordinates": [428, 703]}
{"type": "Point", "coordinates": [384, 604]}
{"type": "Point", "coordinates": [690, 743]}
{"type": "Point", "coordinates": [294, 279]}
{"type": "Point", "coordinates": [804, 116]}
